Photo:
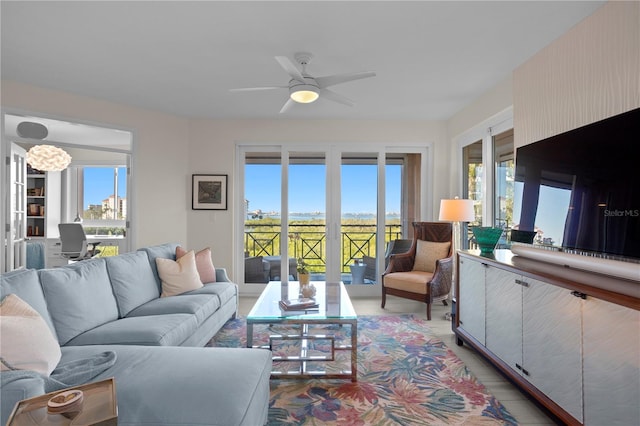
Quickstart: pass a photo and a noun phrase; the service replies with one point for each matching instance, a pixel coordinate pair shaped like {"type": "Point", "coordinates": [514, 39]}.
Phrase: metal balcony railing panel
{"type": "Point", "coordinates": [308, 242]}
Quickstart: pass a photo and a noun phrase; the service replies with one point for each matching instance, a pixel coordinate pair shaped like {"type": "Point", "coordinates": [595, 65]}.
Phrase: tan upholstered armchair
{"type": "Point", "coordinates": [424, 272]}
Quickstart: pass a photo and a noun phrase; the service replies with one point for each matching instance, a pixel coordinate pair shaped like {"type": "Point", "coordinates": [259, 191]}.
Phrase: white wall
{"type": "Point", "coordinates": [212, 151]}
{"type": "Point", "coordinates": [161, 167]}
{"type": "Point", "coordinates": [169, 149]}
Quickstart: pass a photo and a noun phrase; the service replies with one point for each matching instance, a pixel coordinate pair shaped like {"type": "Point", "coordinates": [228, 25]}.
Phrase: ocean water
{"type": "Point", "coordinates": [318, 215]}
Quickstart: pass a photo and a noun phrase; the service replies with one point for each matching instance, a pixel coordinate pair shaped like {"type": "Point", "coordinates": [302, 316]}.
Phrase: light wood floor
{"type": "Point", "coordinates": [525, 411]}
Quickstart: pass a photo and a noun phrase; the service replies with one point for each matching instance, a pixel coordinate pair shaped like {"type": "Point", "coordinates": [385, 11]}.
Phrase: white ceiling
{"type": "Point", "coordinates": [432, 58]}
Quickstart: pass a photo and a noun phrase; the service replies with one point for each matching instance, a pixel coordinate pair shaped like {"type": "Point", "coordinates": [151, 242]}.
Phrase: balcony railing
{"type": "Point", "coordinates": [308, 241]}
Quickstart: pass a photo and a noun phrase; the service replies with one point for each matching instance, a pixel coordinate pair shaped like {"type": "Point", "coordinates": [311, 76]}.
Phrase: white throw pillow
{"type": "Point", "coordinates": [427, 252]}
{"type": "Point", "coordinates": [178, 276]}
{"type": "Point", "coordinates": [26, 341]}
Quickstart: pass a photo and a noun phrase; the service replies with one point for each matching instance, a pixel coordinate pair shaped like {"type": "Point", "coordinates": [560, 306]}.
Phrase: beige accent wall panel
{"type": "Point", "coordinates": [590, 73]}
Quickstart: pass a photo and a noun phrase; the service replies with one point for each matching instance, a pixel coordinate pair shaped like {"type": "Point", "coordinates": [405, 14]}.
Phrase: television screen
{"type": "Point", "coordinates": [580, 190]}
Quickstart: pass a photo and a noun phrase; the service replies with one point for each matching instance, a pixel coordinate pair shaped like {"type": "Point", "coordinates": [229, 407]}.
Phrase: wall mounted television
{"type": "Point", "coordinates": [580, 190]}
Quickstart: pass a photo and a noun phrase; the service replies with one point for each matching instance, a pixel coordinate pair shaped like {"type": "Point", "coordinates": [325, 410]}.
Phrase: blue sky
{"type": "Point", "coordinates": [307, 188]}
{"type": "Point", "coordinates": [99, 184]}
{"type": "Point", "coordinates": [553, 206]}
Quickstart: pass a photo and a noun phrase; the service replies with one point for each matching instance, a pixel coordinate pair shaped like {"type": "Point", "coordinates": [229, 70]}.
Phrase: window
{"type": "Point", "coordinates": [488, 167]}
{"type": "Point", "coordinates": [504, 169]}
{"type": "Point", "coordinates": [100, 198]}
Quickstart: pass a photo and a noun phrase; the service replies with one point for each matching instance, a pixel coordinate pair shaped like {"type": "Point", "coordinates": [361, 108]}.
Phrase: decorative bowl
{"type": "Point", "coordinates": [66, 403]}
{"type": "Point", "coordinates": [486, 238]}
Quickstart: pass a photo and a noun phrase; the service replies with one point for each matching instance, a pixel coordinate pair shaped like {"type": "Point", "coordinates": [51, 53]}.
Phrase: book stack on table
{"type": "Point", "coordinates": [303, 304]}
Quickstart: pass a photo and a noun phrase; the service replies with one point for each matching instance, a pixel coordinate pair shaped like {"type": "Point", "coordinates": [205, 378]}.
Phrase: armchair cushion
{"type": "Point", "coordinates": [411, 281]}
{"type": "Point", "coordinates": [427, 252]}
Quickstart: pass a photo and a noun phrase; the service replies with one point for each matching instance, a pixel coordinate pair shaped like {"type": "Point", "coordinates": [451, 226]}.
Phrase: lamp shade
{"type": "Point", "coordinates": [48, 158]}
{"type": "Point", "coordinates": [457, 210]}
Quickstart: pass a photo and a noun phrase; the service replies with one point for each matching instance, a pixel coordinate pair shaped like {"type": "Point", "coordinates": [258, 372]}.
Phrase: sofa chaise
{"type": "Point", "coordinates": [163, 375]}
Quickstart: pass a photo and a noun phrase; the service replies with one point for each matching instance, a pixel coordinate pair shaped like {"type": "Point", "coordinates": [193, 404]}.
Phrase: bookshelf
{"type": "Point", "coordinates": [43, 204]}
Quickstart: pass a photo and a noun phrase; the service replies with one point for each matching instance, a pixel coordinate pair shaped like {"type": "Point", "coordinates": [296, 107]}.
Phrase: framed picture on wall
{"type": "Point", "coordinates": [209, 192]}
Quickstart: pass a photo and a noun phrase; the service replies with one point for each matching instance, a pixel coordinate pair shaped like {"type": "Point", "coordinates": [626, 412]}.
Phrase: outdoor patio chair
{"type": "Point", "coordinates": [256, 270]}
{"type": "Point", "coordinates": [394, 247]}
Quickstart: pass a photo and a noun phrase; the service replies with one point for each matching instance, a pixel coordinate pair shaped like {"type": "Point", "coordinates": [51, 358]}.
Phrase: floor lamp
{"type": "Point", "coordinates": [456, 211]}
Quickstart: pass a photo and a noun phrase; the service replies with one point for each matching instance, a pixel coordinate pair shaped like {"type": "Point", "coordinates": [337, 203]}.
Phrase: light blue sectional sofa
{"type": "Point", "coordinates": [163, 375]}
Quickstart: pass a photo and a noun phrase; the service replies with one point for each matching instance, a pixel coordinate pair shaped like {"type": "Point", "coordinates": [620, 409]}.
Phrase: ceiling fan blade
{"type": "Point", "coordinates": [335, 97]}
{"type": "Point", "coordinates": [330, 80]}
{"type": "Point", "coordinates": [250, 89]}
{"type": "Point", "coordinates": [290, 68]}
{"type": "Point", "coordinates": [287, 105]}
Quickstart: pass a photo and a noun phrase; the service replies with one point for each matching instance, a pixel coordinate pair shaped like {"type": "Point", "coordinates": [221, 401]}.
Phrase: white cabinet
{"type": "Point", "coordinates": [535, 328]}
{"type": "Point", "coordinates": [577, 354]}
{"type": "Point", "coordinates": [54, 257]}
{"type": "Point", "coordinates": [471, 309]}
{"type": "Point", "coordinates": [504, 315]}
{"type": "Point", "coordinates": [611, 364]}
{"type": "Point", "coordinates": [551, 343]}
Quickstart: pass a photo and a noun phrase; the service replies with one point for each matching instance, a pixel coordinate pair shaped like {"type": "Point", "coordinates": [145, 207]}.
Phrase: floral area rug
{"type": "Point", "coordinates": [406, 376]}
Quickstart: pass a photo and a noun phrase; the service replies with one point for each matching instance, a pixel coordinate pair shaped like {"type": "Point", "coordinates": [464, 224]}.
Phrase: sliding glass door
{"type": "Point", "coordinates": [334, 209]}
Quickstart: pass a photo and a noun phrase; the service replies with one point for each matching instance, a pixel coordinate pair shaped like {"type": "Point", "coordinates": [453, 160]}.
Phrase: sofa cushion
{"type": "Point", "coordinates": [186, 386]}
{"type": "Point", "coordinates": [153, 330]}
{"type": "Point", "coordinates": [178, 276]}
{"type": "Point", "coordinates": [202, 306]}
{"type": "Point", "coordinates": [427, 252]}
{"type": "Point", "coordinates": [132, 280]}
{"type": "Point", "coordinates": [26, 341]}
{"type": "Point", "coordinates": [224, 290]}
{"type": "Point", "coordinates": [206, 270]}
{"type": "Point", "coordinates": [164, 251]}
{"type": "Point", "coordinates": [17, 390]}
{"type": "Point", "coordinates": [79, 297]}
{"type": "Point", "coordinates": [26, 284]}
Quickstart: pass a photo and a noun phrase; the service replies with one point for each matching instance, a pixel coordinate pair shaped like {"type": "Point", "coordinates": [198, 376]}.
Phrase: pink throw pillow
{"type": "Point", "coordinates": [204, 264]}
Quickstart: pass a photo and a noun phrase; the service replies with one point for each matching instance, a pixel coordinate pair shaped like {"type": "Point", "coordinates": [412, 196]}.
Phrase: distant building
{"type": "Point", "coordinates": [115, 205]}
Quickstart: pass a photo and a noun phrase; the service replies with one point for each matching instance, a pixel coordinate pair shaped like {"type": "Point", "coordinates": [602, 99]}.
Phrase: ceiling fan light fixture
{"type": "Point", "coordinates": [304, 93]}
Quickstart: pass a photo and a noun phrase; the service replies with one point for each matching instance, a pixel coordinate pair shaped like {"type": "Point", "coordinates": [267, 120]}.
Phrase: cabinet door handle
{"type": "Point", "coordinates": [522, 283]}
{"type": "Point", "coordinates": [578, 294]}
{"type": "Point", "coordinates": [519, 367]}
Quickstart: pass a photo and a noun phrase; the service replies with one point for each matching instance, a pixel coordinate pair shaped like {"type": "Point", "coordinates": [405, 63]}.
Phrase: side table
{"type": "Point", "coordinates": [357, 273]}
{"type": "Point", "coordinates": [99, 408]}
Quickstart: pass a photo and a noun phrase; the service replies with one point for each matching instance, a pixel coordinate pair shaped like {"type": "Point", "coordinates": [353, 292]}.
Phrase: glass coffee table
{"type": "Point", "coordinates": [298, 330]}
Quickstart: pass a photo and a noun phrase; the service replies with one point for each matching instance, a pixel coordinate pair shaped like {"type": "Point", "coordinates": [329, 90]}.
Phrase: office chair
{"type": "Point", "coordinates": [74, 242]}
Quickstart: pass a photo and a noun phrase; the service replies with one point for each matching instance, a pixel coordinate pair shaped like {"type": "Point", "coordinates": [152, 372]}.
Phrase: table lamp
{"type": "Point", "coordinates": [456, 211]}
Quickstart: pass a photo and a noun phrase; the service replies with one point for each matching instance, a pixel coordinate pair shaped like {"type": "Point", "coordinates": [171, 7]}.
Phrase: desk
{"type": "Point", "coordinates": [110, 245]}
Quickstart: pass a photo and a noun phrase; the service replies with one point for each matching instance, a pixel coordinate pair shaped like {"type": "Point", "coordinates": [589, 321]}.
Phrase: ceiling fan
{"type": "Point", "coordinates": [304, 88]}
